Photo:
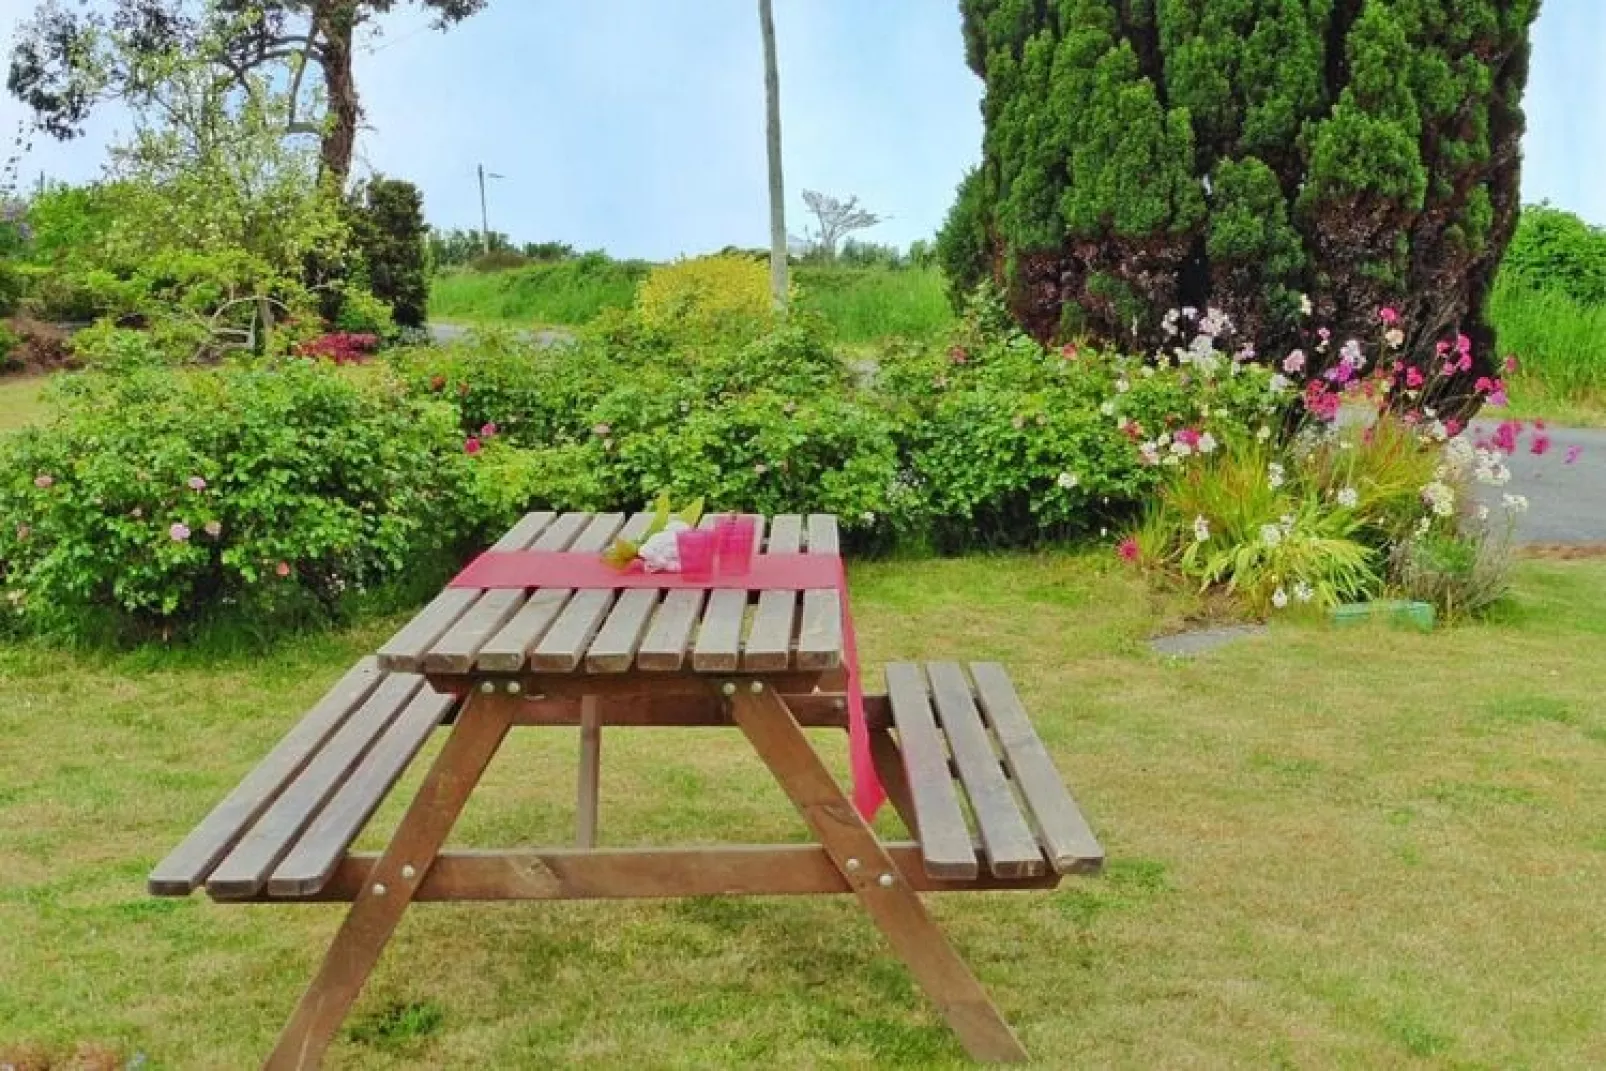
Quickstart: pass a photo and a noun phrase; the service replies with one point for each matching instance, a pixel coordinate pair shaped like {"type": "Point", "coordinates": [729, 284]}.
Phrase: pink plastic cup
{"type": "Point", "coordinates": [736, 535]}
{"type": "Point", "coordinates": [696, 547]}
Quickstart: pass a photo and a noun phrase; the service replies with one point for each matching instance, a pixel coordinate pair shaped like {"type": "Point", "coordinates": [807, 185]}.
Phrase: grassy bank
{"type": "Point", "coordinates": [20, 401]}
{"type": "Point", "coordinates": [1320, 841]}
{"type": "Point", "coordinates": [870, 304]}
{"type": "Point", "coordinates": [1560, 346]}
{"type": "Point", "coordinates": [566, 292]}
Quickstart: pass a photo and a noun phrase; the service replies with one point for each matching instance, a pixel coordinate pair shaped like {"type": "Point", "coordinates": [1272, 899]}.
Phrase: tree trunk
{"type": "Point", "coordinates": [333, 22]}
{"type": "Point", "coordinates": [772, 138]}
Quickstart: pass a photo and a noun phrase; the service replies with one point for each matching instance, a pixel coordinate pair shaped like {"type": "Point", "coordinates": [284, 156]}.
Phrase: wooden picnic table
{"type": "Point", "coordinates": [479, 662]}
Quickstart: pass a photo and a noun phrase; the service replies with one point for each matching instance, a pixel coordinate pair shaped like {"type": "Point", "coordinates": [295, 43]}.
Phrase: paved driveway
{"type": "Point", "coordinates": [1566, 503]}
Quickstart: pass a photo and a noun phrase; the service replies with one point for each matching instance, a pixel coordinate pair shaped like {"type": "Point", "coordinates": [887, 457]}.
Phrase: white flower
{"type": "Point", "coordinates": [1303, 592]}
{"type": "Point", "coordinates": [1108, 408]}
{"type": "Point", "coordinates": [1438, 432]}
{"type": "Point", "coordinates": [1274, 475]}
{"type": "Point", "coordinates": [1423, 525]}
{"type": "Point", "coordinates": [1348, 497]}
{"type": "Point", "coordinates": [1263, 434]}
{"type": "Point", "coordinates": [1164, 439]}
{"type": "Point", "coordinates": [1067, 480]}
{"type": "Point", "coordinates": [1440, 496]}
{"type": "Point", "coordinates": [1149, 454]}
{"type": "Point", "coordinates": [1304, 305]}
{"type": "Point", "coordinates": [1394, 337]}
{"type": "Point", "coordinates": [868, 517]}
{"type": "Point", "coordinates": [1279, 383]}
{"type": "Point", "coordinates": [1279, 598]}
{"type": "Point", "coordinates": [1271, 534]}
{"type": "Point", "coordinates": [1201, 529]}
{"type": "Point", "coordinates": [1515, 503]}
{"type": "Point", "coordinates": [1122, 385]}
{"type": "Point", "coordinates": [1207, 443]}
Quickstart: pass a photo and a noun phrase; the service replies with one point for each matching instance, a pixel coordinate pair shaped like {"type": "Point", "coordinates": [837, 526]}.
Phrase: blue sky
{"type": "Point", "coordinates": [637, 125]}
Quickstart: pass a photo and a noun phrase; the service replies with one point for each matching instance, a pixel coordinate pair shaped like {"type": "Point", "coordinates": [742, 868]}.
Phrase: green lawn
{"type": "Point", "coordinates": [1327, 849]}
{"type": "Point", "coordinates": [19, 401]}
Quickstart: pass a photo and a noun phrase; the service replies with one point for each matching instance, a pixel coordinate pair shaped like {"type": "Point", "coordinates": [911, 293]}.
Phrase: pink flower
{"type": "Point", "coordinates": [1449, 368]}
{"type": "Point", "coordinates": [1463, 345]}
{"type": "Point", "coordinates": [1294, 362]}
{"type": "Point", "coordinates": [601, 431]}
{"type": "Point", "coordinates": [179, 532]}
{"type": "Point", "coordinates": [1540, 444]}
{"type": "Point", "coordinates": [1498, 399]}
{"type": "Point", "coordinates": [1505, 436]}
{"type": "Point", "coordinates": [1441, 348]}
{"type": "Point", "coordinates": [1068, 351]}
{"type": "Point", "coordinates": [1511, 362]}
{"type": "Point", "coordinates": [488, 431]}
{"type": "Point", "coordinates": [1484, 385]}
{"type": "Point", "coordinates": [44, 481]}
{"type": "Point", "coordinates": [1413, 377]}
{"type": "Point", "coordinates": [196, 483]}
{"type": "Point", "coordinates": [1465, 363]}
{"type": "Point", "coordinates": [471, 446]}
{"type": "Point", "coordinates": [214, 528]}
{"type": "Point", "coordinates": [1572, 453]}
{"type": "Point", "coordinates": [958, 355]}
{"type": "Point", "coordinates": [1188, 436]}
{"type": "Point", "coordinates": [1452, 427]}
{"type": "Point", "coordinates": [282, 569]}
{"type": "Point", "coordinates": [1128, 549]}
{"type": "Point", "coordinates": [1389, 315]}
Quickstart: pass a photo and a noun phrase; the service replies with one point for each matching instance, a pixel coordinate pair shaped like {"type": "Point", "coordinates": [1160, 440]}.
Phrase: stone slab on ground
{"type": "Point", "coordinates": [1188, 644]}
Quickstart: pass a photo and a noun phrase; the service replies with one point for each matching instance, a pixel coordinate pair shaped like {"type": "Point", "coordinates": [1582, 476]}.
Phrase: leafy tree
{"type": "Point", "coordinates": [388, 230]}
{"type": "Point", "coordinates": [67, 60]}
{"type": "Point", "coordinates": [1555, 250]}
{"type": "Point", "coordinates": [1145, 154]}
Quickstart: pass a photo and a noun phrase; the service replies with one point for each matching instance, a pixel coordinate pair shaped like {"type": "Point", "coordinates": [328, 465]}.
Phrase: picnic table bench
{"type": "Point", "coordinates": [960, 761]}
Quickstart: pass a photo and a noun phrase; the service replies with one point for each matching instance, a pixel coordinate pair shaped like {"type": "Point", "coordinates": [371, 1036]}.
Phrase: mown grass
{"type": "Point", "coordinates": [20, 401]}
{"type": "Point", "coordinates": [1327, 848]}
{"type": "Point", "coordinates": [567, 292]}
{"type": "Point", "coordinates": [1560, 346]}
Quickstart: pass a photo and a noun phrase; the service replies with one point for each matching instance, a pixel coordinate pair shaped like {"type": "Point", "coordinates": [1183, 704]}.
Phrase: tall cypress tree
{"type": "Point", "coordinates": [1145, 154]}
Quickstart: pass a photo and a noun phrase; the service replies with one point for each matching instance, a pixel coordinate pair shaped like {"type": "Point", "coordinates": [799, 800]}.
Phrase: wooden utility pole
{"type": "Point", "coordinates": [772, 131]}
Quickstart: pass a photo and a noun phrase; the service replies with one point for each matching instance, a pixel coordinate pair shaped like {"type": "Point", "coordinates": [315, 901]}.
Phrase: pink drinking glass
{"type": "Point", "coordinates": [736, 535]}
{"type": "Point", "coordinates": [696, 547]}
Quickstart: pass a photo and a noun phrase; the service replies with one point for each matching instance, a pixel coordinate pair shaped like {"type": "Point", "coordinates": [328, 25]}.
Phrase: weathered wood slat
{"type": "Point", "coordinates": [719, 640]}
{"type": "Point", "coordinates": [319, 850]}
{"type": "Point", "coordinates": [245, 869]}
{"type": "Point", "coordinates": [505, 651]}
{"type": "Point", "coordinates": [405, 651]}
{"type": "Point", "coordinates": [945, 842]}
{"type": "Point", "coordinates": [664, 647]}
{"type": "Point", "coordinates": [1006, 838]}
{"type": "Point", "coordinates": [819, 640]}
{"type": "Point", "coordinates": [525, 532]}
{"type": "Point", "coordinates": [188, 865]}
{"type": "Point", "coordinates": [455, 652]}
{"type": "Point", "coordinates": [1064, 833]}
{"type": "Point", "coordinates": [769, 644]}
{"type": "Point", "coordinates": [564, 644]}
{"type": "Point", "coordinates": [615, 646]}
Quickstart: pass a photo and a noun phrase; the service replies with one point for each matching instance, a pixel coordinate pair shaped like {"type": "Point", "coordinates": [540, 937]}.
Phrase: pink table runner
{"type": "Point", "coordinates": [769, 572]}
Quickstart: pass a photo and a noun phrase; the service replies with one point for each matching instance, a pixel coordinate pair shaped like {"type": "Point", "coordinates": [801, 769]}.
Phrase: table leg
{"type": "Point", "coordinates": [590, 772]}
{"type": "Point", "coordinates": [379, 905]}
{"type": "Point", "coordinates": [894, 907]}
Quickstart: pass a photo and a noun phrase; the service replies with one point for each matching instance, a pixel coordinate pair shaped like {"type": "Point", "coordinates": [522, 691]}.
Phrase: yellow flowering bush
{"type": "Point", "coordinates": [723, 296]}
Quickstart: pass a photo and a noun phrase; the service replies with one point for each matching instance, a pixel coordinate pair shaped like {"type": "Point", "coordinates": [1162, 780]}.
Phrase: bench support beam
{"type": "Point", "coordinates": [393, 880]}
{"type": "Point", "coordinates": [869, 870]}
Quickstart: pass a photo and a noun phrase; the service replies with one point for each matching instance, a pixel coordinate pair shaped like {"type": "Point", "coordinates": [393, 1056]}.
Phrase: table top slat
{"type": "Point", "coordinates": [525, 532]}
{"type": "Point", "coordinates": [245, 869]}
{"type": "Point", "coordinates": [1064, 833]}
{"type": "Point", "coordinates": [719, 641]}
{"type": "Point", "coordinates": [188, 865]}
{"type": "Point", "coordinates": [769, 643]}
{"type": "Point", "coordinates": [405, 651]}
{"type": "Point", "coordinates": [455, 652]}
{"type": "Point", "coordinates": [319, 850]}
{"type": "Point", "coordinates": [506, 650]}
{"type": "Point", "coordinates": [614, 647]}
{"type": "Point", "coordinates": [1007, 840]}
{"type": "Point", "coordinates": [564, 645]}
{"type": "Point", "coordinates": [945, 841]}
{"type": "Point", "coordinates": [819, 639]}
{"type": "Point", "coordinates": [664, 646]}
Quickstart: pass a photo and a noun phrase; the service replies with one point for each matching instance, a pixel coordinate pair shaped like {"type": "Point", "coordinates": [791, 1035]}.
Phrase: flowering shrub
{"type": "Point", "coordinates": [1373, 487]}
{"type": "Point", "coordinates": [160, 496]}
{"type": "Point", "coordinates": [341, 347]}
